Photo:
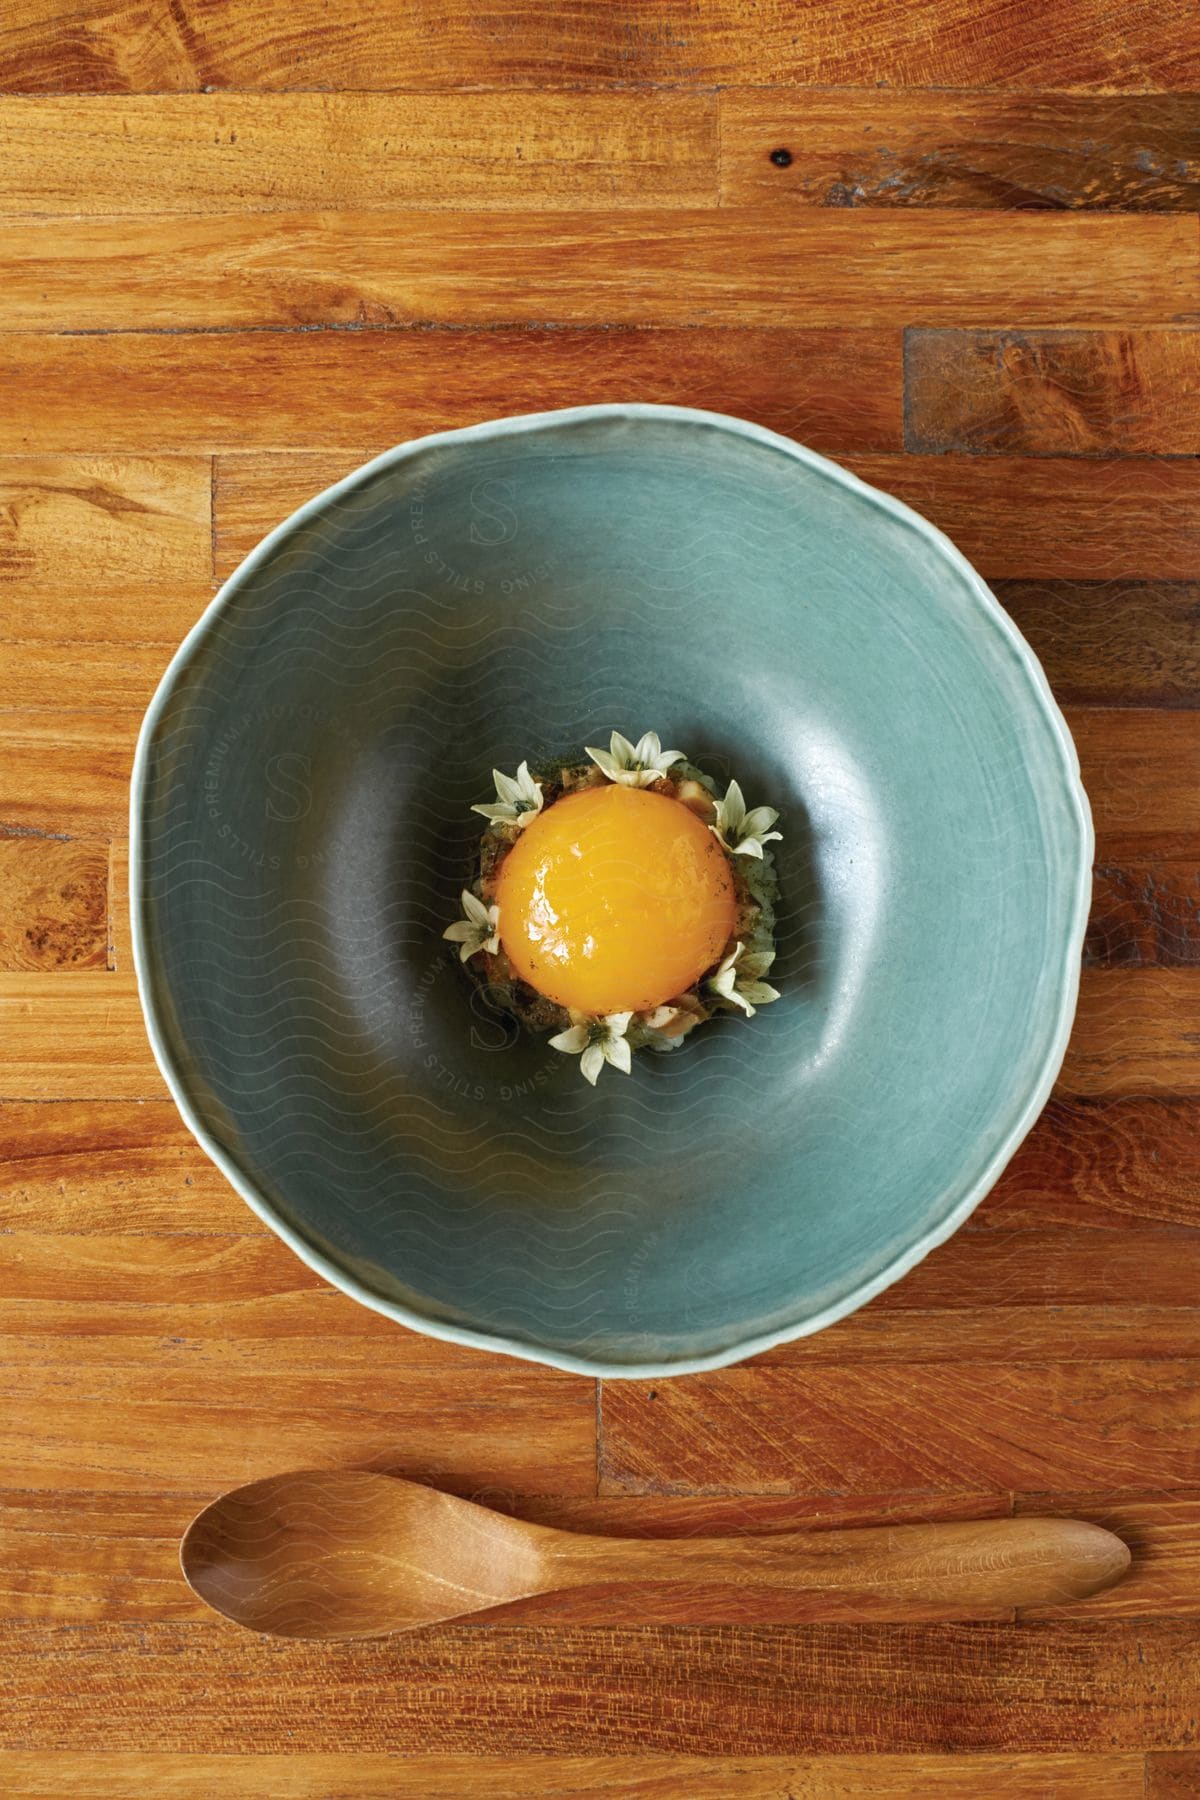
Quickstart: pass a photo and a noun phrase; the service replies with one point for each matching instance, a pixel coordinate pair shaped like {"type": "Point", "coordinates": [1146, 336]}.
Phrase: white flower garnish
{"type": "Point", "coordinates": [738, 979]}
{"type": "Point", "coordinates": [743, 833]}
{"type": "Point", "coordinates": [478, 929]}
{"type": "Point", "coordinates": [676, 1018]}
{"type": "Point", "coordinates": [517, 800]}
{"type": "Point", "coordinates": [596, 1041]}
{"type": "Point", "coordinates": [634, 765]}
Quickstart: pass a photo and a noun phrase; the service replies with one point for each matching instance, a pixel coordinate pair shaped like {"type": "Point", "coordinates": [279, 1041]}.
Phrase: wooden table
{"type": "Point", "coordinates": [950, 242]}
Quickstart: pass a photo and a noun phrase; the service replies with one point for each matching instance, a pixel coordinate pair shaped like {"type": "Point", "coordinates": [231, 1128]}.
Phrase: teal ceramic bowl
{"type": "Point", "coordinates": [301, 831]}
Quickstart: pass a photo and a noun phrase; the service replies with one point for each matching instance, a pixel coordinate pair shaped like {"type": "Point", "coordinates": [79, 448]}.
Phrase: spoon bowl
{"type": "Point", "coordinates": [348, 1553]}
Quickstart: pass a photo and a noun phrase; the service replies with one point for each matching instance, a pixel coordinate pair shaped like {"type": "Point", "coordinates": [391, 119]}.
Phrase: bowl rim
{"type": "Point", "coordinates": [968, 1193]}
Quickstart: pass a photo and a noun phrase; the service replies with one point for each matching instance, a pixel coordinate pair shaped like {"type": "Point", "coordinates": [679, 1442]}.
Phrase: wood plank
{"type": "Point", "coordinates": [128, 1166]}
{"type": "Point", "coordinates": [1102, 1163]}
{"type": "Point", "coordinates": [136, 1270]}
{"type": "Point", "coordinates": [773, 1428]}
{"type": "Point", "coordinates": [936, 43]}
{"type": "Point", "coordinates": [120, 925]}
{"type": "Point", "coordinates": [252, 494]}
{"type": "Point", "coordinates": [83, 1556]}
{"type": "Point", "coordinates": [110, 677]}
{"type": "Point", "coordinates": [1055, 518]}
{"type": "Point", "coordinates": [985, 1298]}
{"type": "Point", "coordinates": [43, 1775]}
{"type": "Point", "coordinates": [1163, 1532]}
{"type": "Point", "coordinates": [883, 147]}
{"type": "Point", "coordinates": [1103, 1686]}
{"type": "Point", "coordinates": [1053, 393]}
{"type": "Point", "coordinates": [71, 771]}
{"type": "Point", "coordinates": [1133, 1034]}
{"type": "Point", "coordinates": [67, 772]}
{"type": "Point", "coordinates": [130, 1570]}
{"type": "Point", "coordinates": [1112, 643]}
{"type": "Point", "coordinates": [194, 153]}
{"type": "Point", "coordinates": [1062, 517]}
{"type": "Point", "coordinates": [1146, 912]}
{"type": "Point", "coordinates": [1101, 642]}
{"type": "Point", "coordinates": [308, 1324]}
{"type": "Point", "coordinates": [156, 1423]}
{"type": "Point", "coordinates": [80, 1036]}
{"type": "Point", "coordinates": [1141, 770]}
{"type": "Point", "coordinates": [942, 1332]}
{"type": "Point", "coordinates": [1141, 767]}
{"type": "Point", "coordinates": [78, 1556]}
{"type": "Point", "coordinates": [1173, 1777]}
{"type": "Point", "coordinates": [74, 1037]}
{"type": "Point", "coordinates": [102, 549]}
{"type": "Point", "coordinates": [53, 904]}
{"type": "Point", "coordinates": [659, 266]}
{"type": "Point", "coordinates": [837, 389]}
{"type": "Point", "coordinates": [84, 1167]}
{"type": "Point", "coordinates": [1057, 1294]}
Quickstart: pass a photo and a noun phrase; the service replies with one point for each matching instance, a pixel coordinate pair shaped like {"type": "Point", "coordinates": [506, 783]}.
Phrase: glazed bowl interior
{"type": "Point", "coordinates": [302, 832]}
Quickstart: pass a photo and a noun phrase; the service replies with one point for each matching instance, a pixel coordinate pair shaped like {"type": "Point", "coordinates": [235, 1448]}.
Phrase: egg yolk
{"type": "Point", "coordinates": [614, 900]}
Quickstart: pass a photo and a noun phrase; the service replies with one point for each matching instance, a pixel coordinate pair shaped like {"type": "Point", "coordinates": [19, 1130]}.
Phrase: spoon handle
{"type": "Point", "coordinates": [961, 1569]}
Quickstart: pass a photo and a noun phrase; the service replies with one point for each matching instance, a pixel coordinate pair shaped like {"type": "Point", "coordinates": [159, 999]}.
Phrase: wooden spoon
{"type": "Point", "coordinates": [350, 1554]}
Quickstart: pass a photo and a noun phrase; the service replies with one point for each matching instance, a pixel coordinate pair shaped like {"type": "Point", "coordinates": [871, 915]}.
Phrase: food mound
{"type": "Point", "coordinates": [619, 903]}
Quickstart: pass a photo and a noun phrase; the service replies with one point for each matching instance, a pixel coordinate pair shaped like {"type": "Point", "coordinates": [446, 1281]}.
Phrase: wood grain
{"type": "Point", "coordinates": [74, 1036]}
{"type": "Point", "coordinates": [1140, 769]}
{"type": "Point", "coordinates": [301, 1587]}
{"type": "Point", "coordinates": [1162, 1530]}
{"type": "Point", "coordinates": [990, 1297]}
{"type": "Point", "coordinates": [120, 925]}
{"type": "Point", "coordinates": [655, 1777]}
{"type": "Point", "coordinates": [773, 1428]}
{"type": "Point", "coordinates": [66, 771]}
{"type": "Point", "coordinates": [80, 1036]}
{"type": "Point", "coordinates": [982, 150]}
{"type": "Point", "coordinates": [53, 904]}
{"type": "Point", "coordinates": [1112, 643]}
{"type": "Point", "coordinates": [113, 677]}
{"type": "Point", "coordinates": [197, 153]}
{"type": "Point", "coordinates": [1173, 1777]}
{"type": "Point", "coordinates": [406, 220]}
{"type": "Point", "coordinates": [1061, 518]}
{"type": "Point", "coordinates": [1053, 393]}
{"type": "Point", "coordinates": [1145, 913]}
{"type": "Point", "coordinates": [1102, 1163]}
{"type": "Point", "coordinates": [84, 1166]}
{"type": "Point", "coordinates": [1133, 1033]}
{"type": "Point", "coordinates": [96, 1169]}
{"type": "Point", "coordinates": [1061, 1294]}
{"type": "Point", "coordinates": [1102, 1686]}
{"type": "Point", "coordinates": [168, 1423]}
{"type": "Point", "coordinates": [1057, 520]}
{"type": "Point", "coordinates": [531, 43]}
{"type": "Point", "coordinates": [661, 266]}
{"type": "Point", "coordinates": [99, 548]}
{"type": "Point", "coordinates": [136, 1272]}
{"type": "Point", "coordinates": [1103, 642]}
{"type": "Point", "coordinates": [838, 390]}
{"type": "Point", "coordinates": [49, 1566]}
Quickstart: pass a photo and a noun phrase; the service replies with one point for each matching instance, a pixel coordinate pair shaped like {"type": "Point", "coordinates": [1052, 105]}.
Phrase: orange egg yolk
{"type": "Point", "coordinates": [614, 900]}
